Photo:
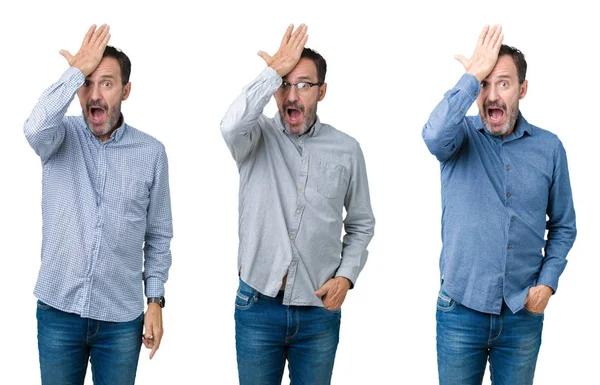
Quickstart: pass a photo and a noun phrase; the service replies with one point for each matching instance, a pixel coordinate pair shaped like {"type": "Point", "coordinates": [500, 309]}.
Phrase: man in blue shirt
{"type": "Point", "coordinates": [504, 183]}
{"type": "Point", "coordinates": [106, 213]}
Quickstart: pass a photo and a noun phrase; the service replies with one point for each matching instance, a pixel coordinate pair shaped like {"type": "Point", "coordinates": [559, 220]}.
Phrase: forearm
{"type": "Point", "coordinates": [239, 126]}
{"type": "Point", "coordinates": [561, 225]}
{"type": "Point", "coordinates": [359, 223]}
{"type": "Point", "coordinates": [159, 231]}
{"type": "Point", "coordinates": [443, 131]}
{"type": "Point", "coordinates": [44, 128]}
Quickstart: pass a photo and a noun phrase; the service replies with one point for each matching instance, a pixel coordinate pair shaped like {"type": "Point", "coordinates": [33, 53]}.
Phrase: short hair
{"type": "Point", "coordinates": [319, 62]}
{"type": "Point", "coordinates": [122, 59]}
{"type": "Point", "coordinates": [518, 58]}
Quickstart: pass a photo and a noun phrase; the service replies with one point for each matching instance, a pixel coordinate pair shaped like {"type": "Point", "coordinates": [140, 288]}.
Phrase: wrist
{"type": "Point", "coordinates": [156, 301]}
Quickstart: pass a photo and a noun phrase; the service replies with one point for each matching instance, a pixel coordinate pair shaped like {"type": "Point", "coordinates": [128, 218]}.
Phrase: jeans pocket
{"type": "Point", "coordinates": [330, 180]}
{"type": "Point", "coordinates": [444, 302]}
{"type": "Point", "coordinates": [245, 296]}
{"type": "Point", "coordinates": [338, 311]}
{"type": "Point", "coordinates": [42, 306]}
{"type": "Point", "coordinates": [532, 313]}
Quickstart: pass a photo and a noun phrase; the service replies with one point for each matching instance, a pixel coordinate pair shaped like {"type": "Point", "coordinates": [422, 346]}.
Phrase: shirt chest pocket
{"type": "Point", "coordinates": [331, 179]}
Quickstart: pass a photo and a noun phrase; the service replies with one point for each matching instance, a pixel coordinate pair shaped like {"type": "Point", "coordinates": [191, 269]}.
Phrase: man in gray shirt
{"type": "Point", "coordinates": [296, 177]}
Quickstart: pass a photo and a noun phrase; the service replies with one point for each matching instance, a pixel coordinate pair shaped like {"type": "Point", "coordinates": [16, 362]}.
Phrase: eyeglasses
{"type": "Point", "coordinates": [301, 87]}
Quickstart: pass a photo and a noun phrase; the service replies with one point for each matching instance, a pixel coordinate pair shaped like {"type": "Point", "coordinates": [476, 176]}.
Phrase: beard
{"type": "Point", "coordinates": [308, 120]}
{"type": "Point", "coordinates": [512, 114]}
{"type": "Point", "coordinates": [113, 114]}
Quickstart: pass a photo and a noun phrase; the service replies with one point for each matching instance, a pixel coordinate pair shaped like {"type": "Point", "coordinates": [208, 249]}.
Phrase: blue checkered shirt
{"type": "Point", "coordinates": [106, 211]}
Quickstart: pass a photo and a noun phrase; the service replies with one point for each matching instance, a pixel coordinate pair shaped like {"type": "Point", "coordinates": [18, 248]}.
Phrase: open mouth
{"type": "Point", "coordinates": [294, 115]}
{"type": "Point", "coordinates": [495, 114]}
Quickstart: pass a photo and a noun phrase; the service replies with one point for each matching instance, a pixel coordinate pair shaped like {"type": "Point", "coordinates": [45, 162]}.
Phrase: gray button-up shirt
{"type": "Point", "coordinates": [293, 191]}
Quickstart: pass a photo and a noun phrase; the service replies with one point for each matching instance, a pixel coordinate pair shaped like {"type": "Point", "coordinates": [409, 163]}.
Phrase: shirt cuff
{"type": "Point", "coordinates": [548, 278]}
{"type": "Point", "coordinates": [73, 76]}
{"type": "Point", "coordinates": [154, 287]}
{"type": "Point", "coordinates": [347, 273]}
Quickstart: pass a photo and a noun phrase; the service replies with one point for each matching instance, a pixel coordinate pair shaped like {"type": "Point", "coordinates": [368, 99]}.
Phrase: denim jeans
{"type": "Point", "coordinates": [268, 332]}
{"type": "Point", "coordinates": [66, 342]}
{"type": "Point", "coordinates": [466, 339]}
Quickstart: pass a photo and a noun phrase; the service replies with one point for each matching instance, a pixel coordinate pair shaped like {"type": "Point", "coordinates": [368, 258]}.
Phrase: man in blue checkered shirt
{"type": "Point", "coordinates": [107, 223]}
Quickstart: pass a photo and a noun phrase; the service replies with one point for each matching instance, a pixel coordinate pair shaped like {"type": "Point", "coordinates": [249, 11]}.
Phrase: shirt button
{"type": "Point", "coordinates": [304, 161]}
{"type": "Point", "coordinates": [300, 141]}
{"type": "Point", "coordinates": [292, 237]}
{"type": "Point", "coordinates": [293, 262]}
{"type": "Point", "coordinates": [300, 187]}
{"type": "Point", "coordinates": [509, 246]}
{"type": "Point", "coordinates": [298, 211]}
{"type": "Point", "coordinates": [506, 273]}
{"type": "Point", "coordinates": [507, 195]}
{"type": "Point", "coordinates": [507, 168]}
{"type": "Point", "coordinates": [512, 219]}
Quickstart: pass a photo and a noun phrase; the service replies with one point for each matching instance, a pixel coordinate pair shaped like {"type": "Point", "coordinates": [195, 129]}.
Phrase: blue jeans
{"type": "Point", "coordinates": [66, 342]}
{"type": "Point", "coordinates": [268, 332]}
{"type": "Point", "coordinates": [466, 339]}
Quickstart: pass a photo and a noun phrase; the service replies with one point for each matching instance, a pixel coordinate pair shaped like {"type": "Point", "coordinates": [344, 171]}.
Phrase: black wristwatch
{"type": "Point", "coordinates": [159, 300]}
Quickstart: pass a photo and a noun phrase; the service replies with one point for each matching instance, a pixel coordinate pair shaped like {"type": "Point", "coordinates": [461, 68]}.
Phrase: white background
{"type": "Point", "coordinates": [389, 65]}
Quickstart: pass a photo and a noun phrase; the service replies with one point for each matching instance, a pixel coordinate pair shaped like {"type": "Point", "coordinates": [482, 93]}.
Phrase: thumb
{"type": "Point", "coordinates": [462, 59]}
{"type": "Point", "coordinates": [266, 57]}
{"type": "Point", "coordinates": [322, 291]}
{"type": "Point", "coordinates": [67, 55]}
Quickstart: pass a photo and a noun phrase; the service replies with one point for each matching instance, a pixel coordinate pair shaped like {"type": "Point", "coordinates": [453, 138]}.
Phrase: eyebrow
{"type": "Point", "coordinates": [301, 79]}
{"type": "Point", "coordinates": [107, 76]}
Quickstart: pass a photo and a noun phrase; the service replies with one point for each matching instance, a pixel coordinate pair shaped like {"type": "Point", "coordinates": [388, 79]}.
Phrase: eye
{"type": "Point", "coordinates": [301, 85]}
{"type": "Point", "coordinates": [484, 84]}
{"type": "Point", "coordinates": [285, 85]}
{"type": "Point", "coordinates": [106, 84]}
{"type": "Point", "coordinates": [86, 84]}
{"type": "Point", "coordinates": [503, 84]}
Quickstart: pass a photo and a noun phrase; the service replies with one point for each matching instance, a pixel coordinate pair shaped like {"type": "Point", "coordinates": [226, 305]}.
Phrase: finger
{"type": "Point", "coordinates": [483, 34]}
{"type": "Point", "coordinates": [266, 57]}
{"type": "Point", "coordinates": [153, 351]}
{"type": "Point", "coordinates": [67, 55]}
{"type": "Point", "coordinates": [490, 35]}
{"type": "Point", "coordinates": [156, 346]}
{"type": "Point", "coordinates": [304, 40]}
{"type": "Point", "coordinates": [463, 60]}
{"type": "Point", "coordinates": [286, 35]}
{"type": "Point", "coordinates": [88, 35]}
{"type": "Point", "coordinates": [298, 36]}
{"type": "Point", "coordinates": [104, 37]}
{"type": "Point", "coordinates": [99, 35]}
{"type": "Point", "coordinates": [148, 342]}
{"type": "Point", "coordinates": [498, 43]}
{"type": "Point", "coordinates": [323, 290]}
{"type": "Point", "coordinates": [496, 35]}
{"type": "Point", "coordinates": [104, 42]}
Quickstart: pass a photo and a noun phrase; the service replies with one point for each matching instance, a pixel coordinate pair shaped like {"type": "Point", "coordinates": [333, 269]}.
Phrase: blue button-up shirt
{"type": "Point", "coordinates": [499, 196]}
{"type": "Point", "coordinates": [105, 208]}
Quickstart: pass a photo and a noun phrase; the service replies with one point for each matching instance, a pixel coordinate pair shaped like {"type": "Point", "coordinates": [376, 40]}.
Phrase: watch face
{"type": "Point", "coordinates": [162, 302]}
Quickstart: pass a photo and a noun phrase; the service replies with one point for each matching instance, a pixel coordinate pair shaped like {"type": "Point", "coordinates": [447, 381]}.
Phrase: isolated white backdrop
{"type": "Point", "coordinates": [389, 64]}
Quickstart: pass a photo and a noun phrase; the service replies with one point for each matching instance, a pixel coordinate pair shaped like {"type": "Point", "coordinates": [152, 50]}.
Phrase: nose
{"type": "Point", "coordinates": [292, 94]}
{"type": "Point", "coordinates": [95, 92]}
{"type": "Point", "coordinates": [493, 94]}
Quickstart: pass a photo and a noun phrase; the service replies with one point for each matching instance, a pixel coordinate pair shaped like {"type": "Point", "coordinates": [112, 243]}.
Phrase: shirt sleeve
{"type": "Point", "coordinates": [561, 223]}
{"type": "Point", "coordinates": [44, 129]}
{"type": "Point", "coordinates": [359, 223]}
{"type": "Point", "coordinates": [240, 127]}
{"type": "Point", "coordinates": [444, 131]}
{"type": "Point", "coordinates": [159, 231]}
